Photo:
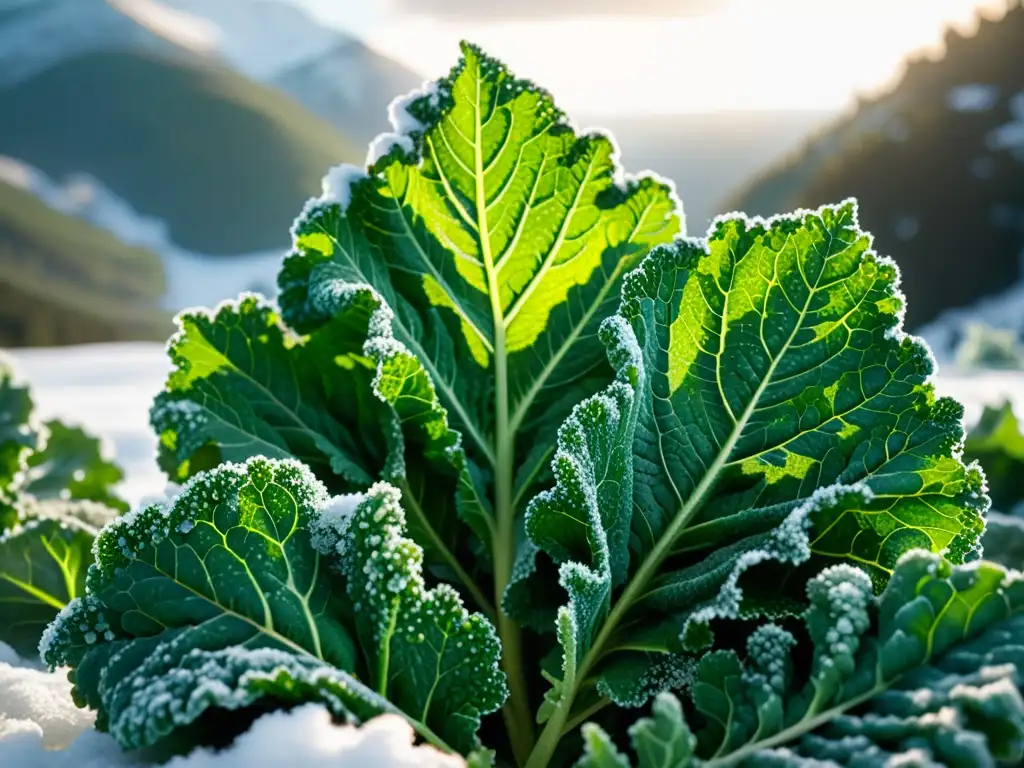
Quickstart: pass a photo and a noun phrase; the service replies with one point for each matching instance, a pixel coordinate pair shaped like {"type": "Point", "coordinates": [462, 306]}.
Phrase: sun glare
{"type": "Point", "coordinates": [754, 55]}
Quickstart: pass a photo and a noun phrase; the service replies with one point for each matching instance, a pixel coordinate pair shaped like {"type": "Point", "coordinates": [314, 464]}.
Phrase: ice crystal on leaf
{"type": "Point", "coordinates": [768, 418]}
{"type": "Point", "coordinates": [219, 600]}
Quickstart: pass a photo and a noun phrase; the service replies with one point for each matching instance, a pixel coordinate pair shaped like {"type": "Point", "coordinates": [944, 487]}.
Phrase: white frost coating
{"type": "Point", "coordinates": [788, 543]}
{"type": "Point", "coordinates": [398, 109]}
{"type": "Point", "coordinates": [384, 143]}
{"type": "Point", "coordinates": [973, 97]}
{"type": "Point", "coordinates": [329, 527]}
{"type": "Point", "coordinates": [337, 184]}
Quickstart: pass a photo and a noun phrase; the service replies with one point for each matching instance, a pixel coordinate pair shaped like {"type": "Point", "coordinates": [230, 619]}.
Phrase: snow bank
{"type": "Point", "coordinates": [1004, 310]}
{"type": "Point", "coordinates": [36, 709]}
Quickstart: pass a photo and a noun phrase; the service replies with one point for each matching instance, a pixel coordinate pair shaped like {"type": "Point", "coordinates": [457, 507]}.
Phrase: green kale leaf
{"type": "Point", "coordinates": [254, 586]}
{"type": "Point", "coordinates": [926, 674]}
{"type": "Point", "coordinates": [769, 417]}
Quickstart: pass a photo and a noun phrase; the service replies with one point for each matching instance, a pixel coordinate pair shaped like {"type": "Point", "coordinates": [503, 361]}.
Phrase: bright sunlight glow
{"type": "Point", "coordinates": [754, 54]}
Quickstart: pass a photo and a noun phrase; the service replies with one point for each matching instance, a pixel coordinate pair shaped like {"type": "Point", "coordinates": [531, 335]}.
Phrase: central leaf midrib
{"type": "Point", "coordinates": [402, 334]}
{"type": "Point", "coordinates": [516, 708]}
{"type": "Point", "coordinates": [523, 407]}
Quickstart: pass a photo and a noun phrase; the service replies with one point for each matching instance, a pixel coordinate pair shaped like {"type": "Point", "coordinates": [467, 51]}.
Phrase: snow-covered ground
{"type": "Point", "coordinates": [40, 727]}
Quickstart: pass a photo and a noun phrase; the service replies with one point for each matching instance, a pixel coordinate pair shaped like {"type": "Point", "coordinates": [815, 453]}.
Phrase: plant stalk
{"type": "Point", "coordinates": [517, 714]}
{"type": "Point", "coordinates": [516, 709]}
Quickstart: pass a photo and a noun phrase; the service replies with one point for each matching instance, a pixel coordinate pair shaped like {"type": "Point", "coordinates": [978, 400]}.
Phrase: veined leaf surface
{"type": "Point", "coordinates": [498, 237]}
{"type": "Point", "coordinates": [43, 561]}
{"type": "Point", "coordinates": [252, 579]}
{"type": "Point", "coordinates": [768, 411]}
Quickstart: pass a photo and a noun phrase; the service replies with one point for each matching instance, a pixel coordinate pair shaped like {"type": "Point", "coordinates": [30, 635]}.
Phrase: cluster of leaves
{"type": "Point", "coordinates": [56, 492]}
{"type": "Point", "coordinates": [712, 473]}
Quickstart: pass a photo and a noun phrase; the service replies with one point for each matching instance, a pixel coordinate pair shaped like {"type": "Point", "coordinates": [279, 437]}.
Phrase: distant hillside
{"type": "Point", "coordinates": [351, 86]}
{"type": "Point", "coordinates": [934, 167]}
{"type": "Point", "coordinates": [226, 162]}
{"type": "Point", "coordinates": [64, 282]}
{"type": "Point", "coordinates": [277, 42]}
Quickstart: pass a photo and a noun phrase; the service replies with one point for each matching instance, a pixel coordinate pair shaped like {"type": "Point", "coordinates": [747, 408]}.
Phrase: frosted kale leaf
{"type": "Point", "coordinates": [253, 588]}
{"type": "Point", "coordinates": [336, 400]}
{"type": "Point", "coordinates": [72, 465]}
{"type": "Point", "coordinates": [43, 561]}
{"type": "Point", "coordinates": [241, 387]}
{"type": "Point", "coordinates": [663, 739]}
{"type": "Point", "coordinates": [997, 443]}
{"type": "Point", "coordinates": [928, 672]}
{"type": "Point", "coordinates": [20, 435]}
{"type": "Point", "coordinates": [498, 237]}
{"type": "Point", "coordinates": [420, 645]}
{"type": "Point", "coordinates": [50, 475]}
{"type": "Point", "coordinates": [769, 417]}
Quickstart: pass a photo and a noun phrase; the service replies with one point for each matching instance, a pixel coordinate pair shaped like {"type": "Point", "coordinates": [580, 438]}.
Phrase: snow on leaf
{"type": "Point", "coordinates": [423, 648]}
{"type": "Point", "coordinates": [769, 416]}
{"type": "Point", "coordinates": [219, 599]}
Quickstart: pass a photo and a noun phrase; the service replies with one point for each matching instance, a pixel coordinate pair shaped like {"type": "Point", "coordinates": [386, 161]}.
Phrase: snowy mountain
{"type": "Point", "coordinates": [191, 278]}
{"type": "Point", "coordinates": [334, 75]}
{"type": "Point", "coordinates": [38, 34]}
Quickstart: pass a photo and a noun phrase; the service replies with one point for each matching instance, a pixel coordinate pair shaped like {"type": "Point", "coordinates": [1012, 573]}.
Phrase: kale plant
{"type": "Point", "coordinates": [56, 492]}
{"type": "Point", "coordinates": [508, 440]}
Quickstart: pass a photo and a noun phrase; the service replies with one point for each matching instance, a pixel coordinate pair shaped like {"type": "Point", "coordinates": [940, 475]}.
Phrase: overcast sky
{"type": "Point", "coordinates": [641, 56]}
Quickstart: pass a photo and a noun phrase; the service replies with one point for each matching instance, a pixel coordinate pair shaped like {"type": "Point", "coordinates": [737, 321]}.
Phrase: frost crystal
{"type": "Point", "coordinates": [337, 184]}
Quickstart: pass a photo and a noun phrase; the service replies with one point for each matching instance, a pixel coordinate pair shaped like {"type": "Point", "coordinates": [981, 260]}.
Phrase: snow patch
{"type": "Point", "coordinates": [1011, 135]}
{"type": "Point", "coordinates": [39, 729]}
{"type": "Point", "coordinates": [36, 706]}
{"type": "Point", "coordinates": [1001, 311]}
{"type": "Point", "coordinates": [384, 143]}
{"type": "Point", "coordinates": [398, 110]}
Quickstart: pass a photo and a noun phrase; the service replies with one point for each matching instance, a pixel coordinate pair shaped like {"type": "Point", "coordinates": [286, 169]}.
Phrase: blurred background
{"type": "Point", "coordinates": [153, 153]}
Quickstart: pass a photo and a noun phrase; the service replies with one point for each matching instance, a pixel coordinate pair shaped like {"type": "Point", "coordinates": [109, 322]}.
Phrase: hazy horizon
{"type": "Point", "coordinates": [665, 63]}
